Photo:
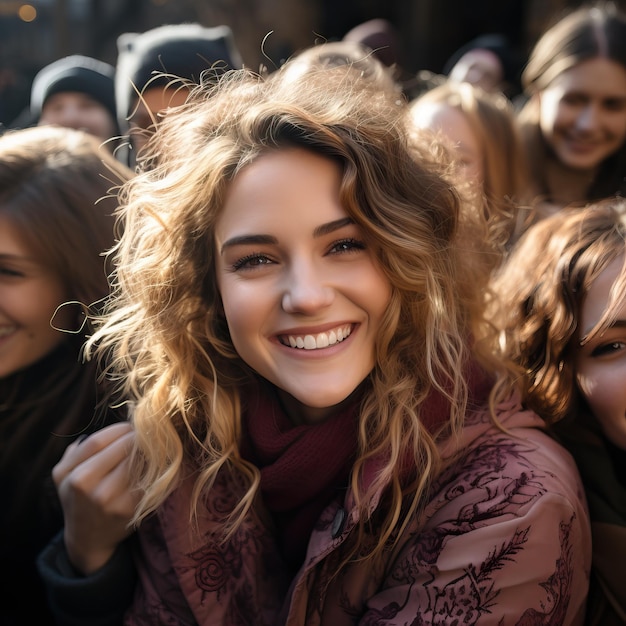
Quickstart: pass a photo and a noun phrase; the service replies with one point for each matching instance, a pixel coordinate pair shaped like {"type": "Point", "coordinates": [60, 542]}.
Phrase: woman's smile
{"type": "Point", "coordinates": [317, 341]}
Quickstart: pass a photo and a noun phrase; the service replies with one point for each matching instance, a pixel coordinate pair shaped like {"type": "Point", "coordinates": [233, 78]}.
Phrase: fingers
{"type": "Point", "coordinates": [105, 479]}
{"type": "Point", "coordinates": [95, 487]}
{"type": "Point", "coordinates": [102, 451]}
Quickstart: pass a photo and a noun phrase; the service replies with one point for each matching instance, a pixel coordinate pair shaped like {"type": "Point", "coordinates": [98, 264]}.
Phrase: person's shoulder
{"type": "Point", "coordinates": [513, 454]}
{"type": "Point", "coordinates": [531, 442]}
{"type": "Point", "coordinates": [508, 513]}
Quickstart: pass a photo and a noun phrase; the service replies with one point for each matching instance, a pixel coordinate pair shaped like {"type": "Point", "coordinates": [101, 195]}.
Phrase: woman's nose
{"type": "Point", "coordinates": [306, 290]}
{"type": "Point", "coordinates": [588, 118]}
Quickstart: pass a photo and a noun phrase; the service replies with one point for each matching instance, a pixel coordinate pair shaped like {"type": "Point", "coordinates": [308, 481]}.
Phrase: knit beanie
{"type": "Point", "coordinates": [179, 50]}
{"type": "Point", "coordinates": [75, 73]}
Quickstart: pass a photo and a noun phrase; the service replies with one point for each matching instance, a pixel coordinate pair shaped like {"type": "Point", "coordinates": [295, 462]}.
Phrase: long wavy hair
{"type": "Point", "coordinates": [592, 31]}
{"type": "Point", "coordinates": [491, 118]}
{"type": "Point", "coordinates": [164, 335]}
{"type": "Point", "coordinates": [540, 291]}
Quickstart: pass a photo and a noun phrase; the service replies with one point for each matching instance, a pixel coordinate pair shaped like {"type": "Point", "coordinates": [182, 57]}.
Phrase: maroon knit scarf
{"type": "Point", "coordinates": [302, 467]}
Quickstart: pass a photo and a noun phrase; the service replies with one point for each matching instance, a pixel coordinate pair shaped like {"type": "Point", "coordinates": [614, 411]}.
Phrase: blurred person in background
{"type": "Point", "coordinates": [154, 69]}
{"type": "Point", "coordinates": [487, 61]}
{"type": "Point", "coordinates": [357, 56]}
{"type": "Point", "coordinates": [56, 221]}
{"type": "Point", "coordinates": [574, 122]}
{"type": "Point", "coordinates": [77, 92]}
{"type": "Point", "coordinates": [479, 130]}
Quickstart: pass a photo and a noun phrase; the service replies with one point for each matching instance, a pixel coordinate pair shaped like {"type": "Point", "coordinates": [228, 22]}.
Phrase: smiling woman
{"type": "Point", "coordinates": [53, 232]}
{"type": "Point", "coordinates": [574, 123]}
{"type": "Point", "coordinates": [30, 292]}
{"type": "Point", "coordinates": [295, 292]}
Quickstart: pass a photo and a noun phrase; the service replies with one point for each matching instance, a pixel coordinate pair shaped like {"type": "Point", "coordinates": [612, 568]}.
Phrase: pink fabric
{"type": "Point", "coordinates": [504, 540]}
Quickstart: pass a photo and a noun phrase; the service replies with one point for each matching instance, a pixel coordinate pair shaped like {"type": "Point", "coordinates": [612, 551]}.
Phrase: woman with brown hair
{"type": "Point", "coordinates": [574, 121]}
{"type": "Point", "coordinates": [56, 222]}
{"type": "Point", "coordinates": [560, 316]}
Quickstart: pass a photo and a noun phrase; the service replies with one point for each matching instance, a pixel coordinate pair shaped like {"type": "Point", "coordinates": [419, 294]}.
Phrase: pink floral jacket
{"type": "Point", "coordinates": [504, 540]}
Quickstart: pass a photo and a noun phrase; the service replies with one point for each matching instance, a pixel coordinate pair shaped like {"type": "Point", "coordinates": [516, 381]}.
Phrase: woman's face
{"type": "Point", "coordinates": [582, 113]}
{"type": "Point", "coordinates": [601, 363]}
{"type": "Point", "coordinates": [302, 292]}
{"type": "Point", "coordinates": [453, 124]}
{"type": "Point", "coordinates": [30, 292]}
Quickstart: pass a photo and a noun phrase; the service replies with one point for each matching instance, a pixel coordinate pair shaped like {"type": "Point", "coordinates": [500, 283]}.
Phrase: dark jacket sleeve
{"type": "Point", "coordinates": [99, 599]}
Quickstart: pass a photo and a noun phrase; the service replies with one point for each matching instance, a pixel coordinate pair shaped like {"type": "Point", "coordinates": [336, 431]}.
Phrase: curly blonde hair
{"type": "Point", "coordinates": [164, 337]}
{"type": "Point", "coordinates": [540, 291]}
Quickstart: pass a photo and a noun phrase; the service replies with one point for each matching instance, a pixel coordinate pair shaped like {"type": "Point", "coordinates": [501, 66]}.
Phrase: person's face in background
{"type": "Point", "coordinates": [453, 124]}
{"type": "Point", "coordinates": [582, 113]}
{"type": "Point", "coordinates": [150, 108]}
{"type": "Point", "coordinates": [479, 67]}
{"type": "Point", "coordinates": [30, 292]}
{"type": "Point", "coordinates": [80, 111]}
{"type": "Point", "coordinates": [601, 363]}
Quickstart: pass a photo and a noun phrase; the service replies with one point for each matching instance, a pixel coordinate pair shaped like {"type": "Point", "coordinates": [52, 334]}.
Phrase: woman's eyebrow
{"type": "Point", "coordinates": [621, 323]}
{"type": "Point", "coordinates": [320, 231]}
{"type": "Point", "coordinates": [330, 227]}
{"type": "Point", "coordinates": [242, 240]}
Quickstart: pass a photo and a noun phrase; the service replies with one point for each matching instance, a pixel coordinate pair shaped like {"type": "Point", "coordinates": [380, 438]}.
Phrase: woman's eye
{"type": "Point", "coordinates": [575, 99]}
{"type": "Point", "coordinates": [608, 348]}
{"type": "Point", "coordinates": [615, 104]}
{"type": "Point", "coordinates": [347, 245]}
{"type": "Point", "coordinates": [5, 271]}
{"type": "Point", "coordinates": [251, 261]}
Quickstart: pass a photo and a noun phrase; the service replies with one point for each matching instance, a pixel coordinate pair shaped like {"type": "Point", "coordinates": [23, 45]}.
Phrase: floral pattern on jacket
{"type": "Point", "coordinates": [504, 540]}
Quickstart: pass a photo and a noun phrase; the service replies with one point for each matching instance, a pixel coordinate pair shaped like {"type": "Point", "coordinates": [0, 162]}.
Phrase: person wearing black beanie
{"type": "Point", "coordinates": [78, 92]}
{"type": "Point", "coordinates": [151, 64]}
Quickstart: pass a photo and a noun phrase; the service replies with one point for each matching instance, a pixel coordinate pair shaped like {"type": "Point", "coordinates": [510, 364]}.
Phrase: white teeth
{"type": "Point", "coordinates": [6, 330]}
{"type": "Point", "coordinates": [321, 340]}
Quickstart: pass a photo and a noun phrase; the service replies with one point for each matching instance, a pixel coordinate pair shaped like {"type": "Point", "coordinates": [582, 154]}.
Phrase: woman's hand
{"type": "Point", "coordinates": [93, 482]}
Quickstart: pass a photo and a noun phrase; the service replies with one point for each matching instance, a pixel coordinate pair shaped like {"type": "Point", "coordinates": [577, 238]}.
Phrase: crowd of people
{"type": "Point", "coordinates": [312, 346]}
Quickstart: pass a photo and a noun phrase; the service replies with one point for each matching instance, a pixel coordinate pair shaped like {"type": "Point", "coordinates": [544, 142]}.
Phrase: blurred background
{"type": "Point", "coordinates": [266, 31]}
